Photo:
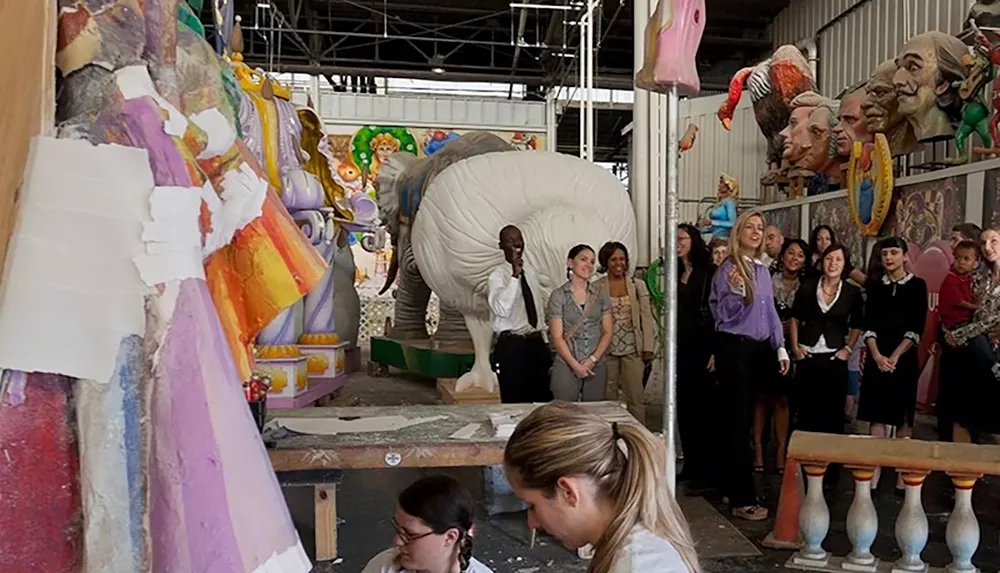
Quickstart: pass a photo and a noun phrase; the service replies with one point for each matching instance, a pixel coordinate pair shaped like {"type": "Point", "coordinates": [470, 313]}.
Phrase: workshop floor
{"type": "Point", "coordinates": [366, 500]}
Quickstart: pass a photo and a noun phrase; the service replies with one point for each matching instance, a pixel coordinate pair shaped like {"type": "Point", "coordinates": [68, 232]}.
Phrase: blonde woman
{"type": "Point", "coordinates": [588, 481]}
{"type": "Point", "coordinates": [633, 335]}
{"type": "Point", "coordinates": [751, 348]}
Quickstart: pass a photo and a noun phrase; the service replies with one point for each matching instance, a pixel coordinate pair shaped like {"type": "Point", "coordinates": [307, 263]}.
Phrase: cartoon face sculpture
{"type": "Point", "coordinates": [672, 36]}
{"type": "Point", "coordinates": [851, 125]}
{"type": "Point", "coordinates": [881, 110]}
{"type": "Point", "coordinates": [926, 66]}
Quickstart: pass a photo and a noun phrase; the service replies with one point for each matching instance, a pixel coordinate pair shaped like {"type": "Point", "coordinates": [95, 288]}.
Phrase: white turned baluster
{"type": "Point", "coordinates": [814, 520]}
{"type": "Point", "coordinates": [862, 524]}
{"type": "Point", "coordinates": [962, 533]}
{"type": "Point", "coordinates": [911, 527]}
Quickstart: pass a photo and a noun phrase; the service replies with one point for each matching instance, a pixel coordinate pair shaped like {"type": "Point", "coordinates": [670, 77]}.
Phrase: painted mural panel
{"type": "Point", "coordinates": [837, 214]}
{"type": "Point", "coordinates": [991, 199]}
{"type": "Point", "coordinates": [926, 212]}
{"type": "Point", "coordinates": [787, 219]}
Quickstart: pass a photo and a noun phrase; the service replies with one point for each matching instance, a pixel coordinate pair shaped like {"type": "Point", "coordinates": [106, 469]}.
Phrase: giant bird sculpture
{"type": "Point", "coordinates": [773, 84]}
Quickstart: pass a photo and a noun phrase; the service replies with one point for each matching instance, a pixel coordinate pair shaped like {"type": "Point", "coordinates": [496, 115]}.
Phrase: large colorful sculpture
{"type": "Point", "coordinates": [975, 116]}
{"type": "Point", "coordinates": [851, 125]}
{"type": "Point", "coordinates": [720, 218]}
{"type": "Point", "coordinates": [773, 84]}
{"type": "Point", "coordinates": [673, 34]}
{"type": "Point", "coordinates": [928, 68]}
{"type": "Point", "coordinates": [302, 350]}
{"type": "Point", "coordinates": [170, 474]}
{"type": "Point", "coordinates": [810, 144]}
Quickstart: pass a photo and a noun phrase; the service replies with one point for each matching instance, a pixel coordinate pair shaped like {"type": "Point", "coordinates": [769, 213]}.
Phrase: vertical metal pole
{"type": "Point", "coordinates": [550, 121]}
{"type": "Point", "coordinates": [670, 279]}
{"type": "Point", "coordinates": [581, 88]}
{"type": "Point", "coordinates": [638, 175]}
{"type": "Point", "coordinates": [591, 55]}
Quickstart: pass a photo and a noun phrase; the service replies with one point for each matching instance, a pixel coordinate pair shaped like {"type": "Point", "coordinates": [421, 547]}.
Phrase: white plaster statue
{"type": "Point", "coordinates": [557, 201]}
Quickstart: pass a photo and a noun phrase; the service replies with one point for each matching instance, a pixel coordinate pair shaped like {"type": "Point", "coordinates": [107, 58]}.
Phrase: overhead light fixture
{"type": "Point", "coordinates": [437, 63]}
{"type": "Point", "coordinates": [264, 5]}
{"type": "Point", "coordinates": [437, 70]}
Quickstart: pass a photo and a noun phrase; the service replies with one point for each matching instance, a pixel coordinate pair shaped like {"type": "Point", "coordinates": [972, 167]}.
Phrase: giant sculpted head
{"type": "Point", "coordinates": [926, 67]}
{"type": "Point", "coordinates": [881, 110]}
{"type": "Point", "coordinates": [851, 125]}
{"type": "Point", "coordinates": [809, 140]}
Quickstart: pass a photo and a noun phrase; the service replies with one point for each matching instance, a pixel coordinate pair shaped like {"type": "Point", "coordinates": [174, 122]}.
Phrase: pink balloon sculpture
{"type": "Point", "coordinates": [672, 37]}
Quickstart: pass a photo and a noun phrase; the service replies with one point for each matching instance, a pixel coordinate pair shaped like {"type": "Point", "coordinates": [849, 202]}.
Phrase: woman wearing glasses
{"type": "Point", "coordinates": [433, 523]}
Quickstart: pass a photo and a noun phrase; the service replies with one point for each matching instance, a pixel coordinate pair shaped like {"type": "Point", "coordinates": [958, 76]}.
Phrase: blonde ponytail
{"type": "Point", "coordinates": [625, 461]}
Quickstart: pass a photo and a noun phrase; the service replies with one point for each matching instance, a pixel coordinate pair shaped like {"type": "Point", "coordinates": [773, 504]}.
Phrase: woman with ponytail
{"type": "Point", "coordinates": [591, 482]}
{"type": "Point", "coordinates": [433, 523]}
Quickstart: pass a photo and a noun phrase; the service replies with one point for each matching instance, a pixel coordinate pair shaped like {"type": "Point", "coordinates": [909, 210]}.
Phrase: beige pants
{"type": "Point", "coordinates": [625, 373]}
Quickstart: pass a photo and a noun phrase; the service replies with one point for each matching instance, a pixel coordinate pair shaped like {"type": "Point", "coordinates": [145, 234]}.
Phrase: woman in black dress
{"type": "Point", "coordinates": [826, 322]}
{"type": "Point", "coordinates": [791, 266]}
{"type": "Point", "coordinates": [895, 311]}
{"type": "Point", "coordinates": [695, 384]}
{"type": "Point", "coordinates": [822, 238]}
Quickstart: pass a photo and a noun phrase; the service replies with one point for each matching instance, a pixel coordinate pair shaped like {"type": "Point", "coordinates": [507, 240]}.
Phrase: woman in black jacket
{"type": "Point", "coordinates": [827, 318]}
{"type": "Point", "coordinates": [695, 385]}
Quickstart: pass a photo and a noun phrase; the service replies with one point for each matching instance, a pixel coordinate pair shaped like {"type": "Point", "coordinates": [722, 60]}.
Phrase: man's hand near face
{"type": "Point", "coordinates": [517, 265]}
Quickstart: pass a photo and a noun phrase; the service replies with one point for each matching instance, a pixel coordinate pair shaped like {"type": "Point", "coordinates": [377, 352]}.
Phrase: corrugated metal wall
{"type": "Point", "coordinates": [740, 153]}
{"type": "Point", "coordinates": [855, 36]}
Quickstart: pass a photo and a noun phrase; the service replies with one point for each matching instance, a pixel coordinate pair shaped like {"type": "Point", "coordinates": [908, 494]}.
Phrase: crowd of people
{"type": "Point", "coordinates": [788, 334]}
{"type": "Point", "coordinates": [775, 332]}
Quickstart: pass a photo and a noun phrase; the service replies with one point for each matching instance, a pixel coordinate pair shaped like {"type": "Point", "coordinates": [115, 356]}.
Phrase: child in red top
{"type": "Point", "coordinates": [955, 300]}
{"type": "Point", "coordinates": [956, 303]}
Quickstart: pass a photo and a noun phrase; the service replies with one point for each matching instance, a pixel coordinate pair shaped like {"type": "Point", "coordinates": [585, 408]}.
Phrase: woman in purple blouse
{"type": "Point", "coordinates": [751, 343]}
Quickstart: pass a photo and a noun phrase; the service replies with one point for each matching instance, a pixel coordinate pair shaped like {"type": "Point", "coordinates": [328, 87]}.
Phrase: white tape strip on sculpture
{"type": "Point", "coordinates": [221, 135]}
{"type": "Point", "coordinates": [292, 560]}
{"type": "Point", "coordinates": [173, 238]}
{"type": "Point", "coordinates": [70, 290]}
{"type": "Point", "coordinates": [242, 201]}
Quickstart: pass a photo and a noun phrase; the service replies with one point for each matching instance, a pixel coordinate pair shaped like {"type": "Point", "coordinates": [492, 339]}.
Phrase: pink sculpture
{"type": "Point", "coordinates": [672, 37]}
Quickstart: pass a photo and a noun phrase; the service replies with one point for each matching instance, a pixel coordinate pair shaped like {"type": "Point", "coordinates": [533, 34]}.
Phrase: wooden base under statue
{"type": "Point", "coordinates": [424, 356]}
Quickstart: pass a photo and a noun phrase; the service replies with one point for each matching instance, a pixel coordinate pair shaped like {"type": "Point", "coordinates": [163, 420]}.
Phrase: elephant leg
{"type": "Point", "coordinates": [451, 325]}
{"type": "Point", "coordinates": [481, 375]}
{"type": "Point", "coordinates": [412, 297]}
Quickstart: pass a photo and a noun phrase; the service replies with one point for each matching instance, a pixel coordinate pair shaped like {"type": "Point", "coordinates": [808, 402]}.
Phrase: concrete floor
{"type": "Point", "coordinates": [366, 500]}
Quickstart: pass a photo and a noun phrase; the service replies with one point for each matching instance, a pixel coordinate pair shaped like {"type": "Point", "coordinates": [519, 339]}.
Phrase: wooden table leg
{"type": "Point", "coordinates": [325, 502]}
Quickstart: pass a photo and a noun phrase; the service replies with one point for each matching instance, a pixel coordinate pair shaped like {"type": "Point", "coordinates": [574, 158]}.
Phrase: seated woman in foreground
{"type": "Point", "coordinates": [433, 523]}
{"type": "Point", "coordinates": [588, 481]}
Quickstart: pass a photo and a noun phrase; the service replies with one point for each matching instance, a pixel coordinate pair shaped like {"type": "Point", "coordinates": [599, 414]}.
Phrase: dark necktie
{"type": "Point", "coordinates": [529, 302]}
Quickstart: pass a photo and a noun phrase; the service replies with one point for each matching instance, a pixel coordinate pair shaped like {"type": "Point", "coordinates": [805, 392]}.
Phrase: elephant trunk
{"type": "Point", "coordinates": [393, 271]}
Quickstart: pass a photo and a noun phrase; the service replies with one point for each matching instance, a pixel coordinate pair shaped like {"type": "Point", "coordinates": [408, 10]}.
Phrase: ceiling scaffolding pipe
{"type": "Point", "coordinates": [373, 36]}
{"type": "Point", "coordinates": [517, 40]}
{"type": "Point", "coordinates": [581, 88]}
{"type": "Point", "coordinates": [811, 50]}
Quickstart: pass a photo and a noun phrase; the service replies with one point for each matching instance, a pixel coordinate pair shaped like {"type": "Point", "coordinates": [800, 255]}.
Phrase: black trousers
{"type": "Point", "coordinates": [738, 362]}
{"type": "Point", "coordinates": [822, 392]}
{"type": "Point", "coordinates": [697, 404]}
{"type": "Point", "coordinates": [523, 364]}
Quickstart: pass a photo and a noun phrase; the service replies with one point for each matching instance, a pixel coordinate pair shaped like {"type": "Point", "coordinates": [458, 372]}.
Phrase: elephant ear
{"type": "Point", "coordinates": [387, 188]}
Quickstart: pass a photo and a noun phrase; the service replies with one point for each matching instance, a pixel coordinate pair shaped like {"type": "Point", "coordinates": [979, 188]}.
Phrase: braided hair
{"type": "Point", "coordinates": [443, 504]}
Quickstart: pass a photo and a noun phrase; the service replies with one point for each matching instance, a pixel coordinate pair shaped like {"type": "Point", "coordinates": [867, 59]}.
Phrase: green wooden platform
{"type": "Point", "coordinates": [424, 357]}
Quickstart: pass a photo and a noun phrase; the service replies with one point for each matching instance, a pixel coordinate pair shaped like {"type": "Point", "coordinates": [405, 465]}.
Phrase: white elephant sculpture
{"type": "Point", "coordinates": [556, 200]}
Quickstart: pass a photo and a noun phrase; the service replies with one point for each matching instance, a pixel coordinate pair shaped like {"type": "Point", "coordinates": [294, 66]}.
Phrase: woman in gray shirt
{"type": "Point", "coordinates": [580, 327]}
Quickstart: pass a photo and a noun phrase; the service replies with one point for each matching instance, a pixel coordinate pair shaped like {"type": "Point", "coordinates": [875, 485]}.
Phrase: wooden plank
{"type": "Point", "coordinates": [446, 390]}
{"type": "Point", "coordinates": [424, 445]}
{"type": "Point", "coordinates": [920, 455]}
{"type": "Point", "coordinates": [326, 522]}
{"type": "Point", "coordinates": [28, 40]}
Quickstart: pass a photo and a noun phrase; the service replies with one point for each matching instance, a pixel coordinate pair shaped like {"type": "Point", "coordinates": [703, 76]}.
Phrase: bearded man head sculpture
{"type": "Point", "coordinates": [881, 110]}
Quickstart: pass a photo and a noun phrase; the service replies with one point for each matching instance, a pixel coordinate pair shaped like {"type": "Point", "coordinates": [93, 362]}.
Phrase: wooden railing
{"type": "Point", "coordinates": [803, 520]}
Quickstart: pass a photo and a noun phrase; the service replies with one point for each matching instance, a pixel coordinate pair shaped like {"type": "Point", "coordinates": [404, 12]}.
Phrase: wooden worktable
{"type": "Point", "coordinates": [301, 457]}
{"type": "Point", "coordinates": [423, 445]}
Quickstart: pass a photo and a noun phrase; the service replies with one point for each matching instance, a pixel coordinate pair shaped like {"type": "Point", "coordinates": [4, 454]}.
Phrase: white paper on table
{"type": "Point", "coordinates": [333, 426]}
{"type": "Point", "coordinates": [70, 291]}
{"type": "Point", "coordinates": [465, 432]}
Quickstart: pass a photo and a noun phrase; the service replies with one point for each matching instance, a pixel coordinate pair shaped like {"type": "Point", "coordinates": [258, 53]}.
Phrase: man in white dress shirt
{"type": "Point", "coordinates": [521, 353]}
